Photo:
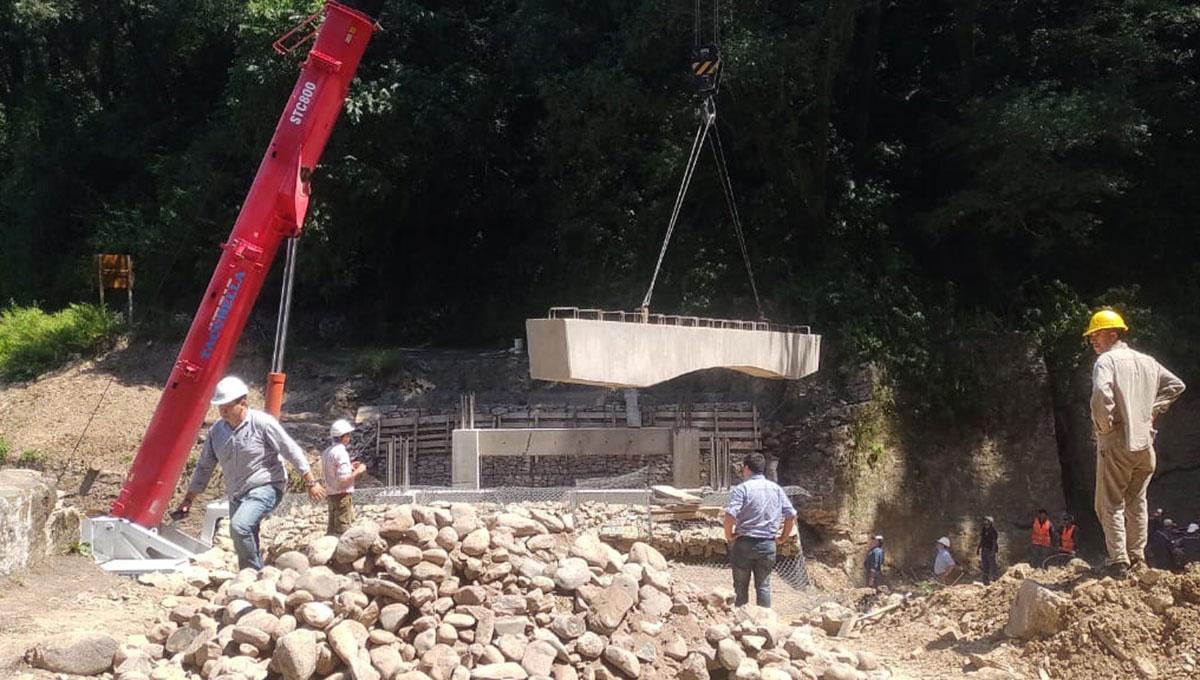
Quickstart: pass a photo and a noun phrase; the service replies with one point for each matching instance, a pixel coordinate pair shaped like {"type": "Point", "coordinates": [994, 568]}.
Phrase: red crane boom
{"type": "Point", "coordinates": [274, 210]}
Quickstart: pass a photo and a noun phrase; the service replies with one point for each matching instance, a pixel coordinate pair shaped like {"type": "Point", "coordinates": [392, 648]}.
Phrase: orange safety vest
{"type": "Point", "coordinates": [1041, 532]}
{"type": "Point", "coordinates": [1068, 538]}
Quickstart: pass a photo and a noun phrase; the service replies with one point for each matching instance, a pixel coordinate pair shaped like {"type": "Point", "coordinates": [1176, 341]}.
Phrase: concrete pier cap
{"type": "Point", "coordinates": [631, 349]}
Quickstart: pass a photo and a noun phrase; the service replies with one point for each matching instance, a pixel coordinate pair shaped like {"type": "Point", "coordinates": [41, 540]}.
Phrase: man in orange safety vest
{"type": "Point", "coordinates": [1067, 537]}
{"type": "Point", "coordinates": [1043, 529]}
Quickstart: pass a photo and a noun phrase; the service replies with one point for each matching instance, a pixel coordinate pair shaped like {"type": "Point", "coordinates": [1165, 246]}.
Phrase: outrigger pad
{"type": "Point", "coordinates": [632, 354]}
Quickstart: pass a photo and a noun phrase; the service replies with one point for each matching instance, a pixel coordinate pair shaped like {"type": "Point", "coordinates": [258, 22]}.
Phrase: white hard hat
{"type": "Point", "coordinates": [1193, 528]}
{"type": "Point", "coordinates": [339, 428]}
{"type": "Point", "coordinates": [944, 541]}
{"type": "Point", "coordinates": [229, 389]}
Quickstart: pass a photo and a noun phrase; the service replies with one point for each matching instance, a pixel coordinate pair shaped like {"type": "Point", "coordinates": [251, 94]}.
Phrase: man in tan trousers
{"type": "Point", "coordinates": [1129, 390]}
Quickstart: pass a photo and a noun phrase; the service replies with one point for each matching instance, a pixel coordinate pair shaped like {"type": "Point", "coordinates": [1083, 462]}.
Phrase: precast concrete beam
{"type": "Point", "coordinates": [626, 354]}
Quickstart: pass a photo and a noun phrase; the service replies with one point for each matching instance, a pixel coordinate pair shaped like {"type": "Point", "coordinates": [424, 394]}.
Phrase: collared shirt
{"type": "Point", "coordinates": [335, 467]}
{"type": "Point", "coordinates": [758, 507]}
{"type": "Point", "coordinates": [944, 561]}
{"type": "Point", "coordinates": [874, 560]}
{"type": "Point", "coordinates": [1128, 390]}
{"type": "Point", "coordinates": [250, 455]}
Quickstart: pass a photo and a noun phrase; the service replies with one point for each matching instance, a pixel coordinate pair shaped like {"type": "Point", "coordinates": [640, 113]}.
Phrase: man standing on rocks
{"type": "Point", "coordinates": [250, 446]}
{"type": "Point", "coordinates": [1129, 390]}
{"type": "Point", "coordinates": [756, 508]}
{"type": "Point", "coordinates": [339, 475]}
{"type": "Point", "coordinates": [989, 545]}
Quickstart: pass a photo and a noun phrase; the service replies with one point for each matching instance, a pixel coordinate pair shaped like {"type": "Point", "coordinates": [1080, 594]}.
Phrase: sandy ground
{"type": "Point", "coordinates": [67, 593]}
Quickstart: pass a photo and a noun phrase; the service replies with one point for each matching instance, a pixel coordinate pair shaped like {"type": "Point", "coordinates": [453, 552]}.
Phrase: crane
{"type": "Point", "coordinates": [130, 539]}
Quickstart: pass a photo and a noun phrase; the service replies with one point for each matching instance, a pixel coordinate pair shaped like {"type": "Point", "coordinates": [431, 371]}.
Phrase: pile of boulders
{"type": "Point", "coordinates": [442, 593]}
{"type": "Point", "coordinates": [619, 525]}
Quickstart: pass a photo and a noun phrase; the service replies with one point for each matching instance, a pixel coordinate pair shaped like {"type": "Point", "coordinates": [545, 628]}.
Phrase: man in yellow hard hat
{"type": "Point", "coordinates": [1129, 390]}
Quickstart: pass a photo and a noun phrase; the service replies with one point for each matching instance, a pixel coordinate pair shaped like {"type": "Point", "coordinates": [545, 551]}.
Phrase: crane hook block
{"type": "Point", "coordinates": [706, 69]}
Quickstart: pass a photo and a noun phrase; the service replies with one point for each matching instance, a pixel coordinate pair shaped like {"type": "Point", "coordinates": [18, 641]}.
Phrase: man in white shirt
{"type": "Point", "coordinates": [339, 475]}
{"type": "Point", "coordinates": [943, 561]}
{"type": "Point", "coordinates": [1129, 391]}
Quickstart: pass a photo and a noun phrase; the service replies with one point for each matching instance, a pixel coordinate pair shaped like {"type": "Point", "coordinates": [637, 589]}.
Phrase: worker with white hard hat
{"type": "Point", "coordinates": [1129, 391]}
{"type": "Point", "coordinates": [943, 561]}
{"type": "Point", "coordinates": [339, 474]}
{"type": "Point", "coordinates": [873, 563]}
{"type": "Point", "coordinates": [250, 447]}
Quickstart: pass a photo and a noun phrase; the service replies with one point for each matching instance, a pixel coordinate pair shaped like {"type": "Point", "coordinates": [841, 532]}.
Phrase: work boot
{"type": "Point", "coordinates": [1117, 570]}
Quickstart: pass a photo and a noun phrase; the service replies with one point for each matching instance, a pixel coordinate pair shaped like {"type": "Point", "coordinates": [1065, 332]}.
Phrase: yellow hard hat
{"type": "Point", "coordinates": [1103, 320]}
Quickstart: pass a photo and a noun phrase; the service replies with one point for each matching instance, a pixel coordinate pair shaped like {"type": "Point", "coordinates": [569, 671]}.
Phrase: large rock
{"type": "Point", "coordinates": [538, 659]}
{"type": "Point", "coordinates": [321, 550]}
{"type": "Point", "coordinates": [623, 660]}
{"type": "Point", "coordinates": [317, 615]}
{"type": "Point", "coordinates": [572, 573]}
{"type": "Point", "coordinates": [398, 520]}
{"type": "Point", "coordinates": [521, 526]}
{"type": "Point", "coordinates": [1035, 611]}
{"type": "Point", "coordinates": [499, 671]}
{"type": "Point", "coordinates": [654, 602]}
{"type": "Point", "coordinates": [77, 653]}
{"type": "Point", "coordinates": [589, 548]}
{"type": "Point", "coordinates": [388, 661]}
{"type": "Point", "coordinates": [320, 582]}
{"type": "Point", "coordinates": [613, 603]}
{"type": "Point", "coordinates": [439, 663]}
{"type": "Point", "coordinates": [296, 655]}
{"type": "Point", "coordinates": [477, 542]}
{"type": "Point", "coordinates": [356, 542]}
{"type": "Point", "coordinates": [348, 639]}
{"type": "Point", "coordinates": [589, 645]}
{"type": "Point", "coordinates": [747, 670]}
{"type": "Point", "coordinates": [568, 626]}
{"type": "Point", "coordinates": [293, 559]}
{"type": "Point", "coordinates": [643, 553]}
{"type": "Point", "coordinates": [694, 667]}
{"type": "Point", "coordinates": [729, 654]}
{"type": "Point", "coordinates": [28, 501]}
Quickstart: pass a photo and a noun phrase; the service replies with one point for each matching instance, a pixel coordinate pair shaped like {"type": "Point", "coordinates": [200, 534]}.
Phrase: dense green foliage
{"type": "Point", "coordinates": [909, 172]}
{"type": "Point", "coordinates": [32, 341]}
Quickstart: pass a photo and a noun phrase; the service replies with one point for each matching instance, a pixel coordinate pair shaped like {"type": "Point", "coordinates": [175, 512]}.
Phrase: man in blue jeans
{"type": "Point", "coordinates": [756, 508]}
{"type": "Point", "coordinates": [250, 446]}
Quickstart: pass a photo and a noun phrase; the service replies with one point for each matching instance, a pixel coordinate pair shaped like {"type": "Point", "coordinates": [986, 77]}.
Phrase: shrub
{"type": "Point", "coordinates": [33, 342]}
{"type": "Point", "coordinates": [378, 363]}
{"type": "Point", "coordinates": [4, 448]}
{"type": "Point", "coordinates": [32, 459]}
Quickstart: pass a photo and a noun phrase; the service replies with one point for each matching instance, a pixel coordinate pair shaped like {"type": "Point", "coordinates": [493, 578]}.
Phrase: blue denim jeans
{"type": "Point", "coordinates": [752, 557]}
{"type": "Point", "coordinates": [246, 513]}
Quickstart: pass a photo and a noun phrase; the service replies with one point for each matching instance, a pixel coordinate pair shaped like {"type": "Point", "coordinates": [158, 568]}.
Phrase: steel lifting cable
{"type": "Point", "coordinates": [719, 151]}
{"type": "Point", "coordinates": [706, 123]}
